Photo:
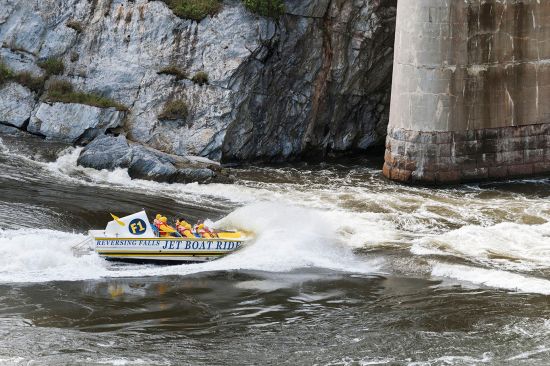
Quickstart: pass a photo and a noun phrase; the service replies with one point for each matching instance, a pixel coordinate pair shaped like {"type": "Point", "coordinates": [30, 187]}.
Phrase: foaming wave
{"type": "Point", "coordinates": [44, 255]}
{"type": "Point", "coordinates": [493, 278]}
{"type": "Point", "coordinates": [66, 167]}
{"type": "Point", "coordinates": [290, 237]}
{"type": "Point", "coordinates": [505, 245]}
{"type": "Point", "coordinates": [286, 238]}
{"type": "Point", "coordinates": [358, 228]}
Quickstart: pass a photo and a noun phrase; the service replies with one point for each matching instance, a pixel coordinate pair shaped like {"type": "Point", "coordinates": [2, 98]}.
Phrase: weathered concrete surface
{"type": "Point", "coordinates": [470, 90]}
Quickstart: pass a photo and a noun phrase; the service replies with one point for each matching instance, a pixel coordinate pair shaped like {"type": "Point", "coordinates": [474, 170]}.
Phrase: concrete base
{"type": "Point", "coordinates": [473, 155]}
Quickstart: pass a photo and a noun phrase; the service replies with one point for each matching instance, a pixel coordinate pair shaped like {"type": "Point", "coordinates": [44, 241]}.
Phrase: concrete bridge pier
{"type": "Point", "coordinates": [471, 91]}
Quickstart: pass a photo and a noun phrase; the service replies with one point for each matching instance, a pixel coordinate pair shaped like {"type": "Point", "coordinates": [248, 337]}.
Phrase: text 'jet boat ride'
{"type": "Point", "coordinates": [133, 239]}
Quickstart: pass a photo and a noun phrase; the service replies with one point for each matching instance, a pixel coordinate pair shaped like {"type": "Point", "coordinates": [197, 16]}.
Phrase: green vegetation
{"type": "Point", "coordinates": [194, 9]}
{"type": "Point", "coordinates": [173, 70]}
{"type": "Point", "coordinates": [76, 25]}
{"type": "Point", "coordinates": [36, 84]}
{"type": "Point", "coordinates": [63, 91]}
{"type": "Point", "coordinates": [174, 109]}
{"type": "Point", "coordinates": [52, 66]}
{"type": "Point", "coordinates": [266, 8]}
{"type": "Point", "coordinates": [200, 78]}
{"type": "Point", "coordinates": [5, 73]}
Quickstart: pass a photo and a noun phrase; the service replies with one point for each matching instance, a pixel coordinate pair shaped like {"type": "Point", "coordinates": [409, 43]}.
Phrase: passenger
{"type": "Point", "coordinates": [156, 224]}
{"type": "Point", "coordinates": [156, 221]}
{"type": "Point", "coordinates": [203, 231]}
{"type": "Point", "coordinates": [197, 229]}
{"type": "Point", "coordinates": [165, 229]}
{"type": "Point", "coordinates": [184, 228]}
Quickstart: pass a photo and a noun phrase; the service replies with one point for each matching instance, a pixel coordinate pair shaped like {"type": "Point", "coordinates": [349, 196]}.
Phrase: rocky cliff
{"type": "Point", "coordinates": [314, 81]}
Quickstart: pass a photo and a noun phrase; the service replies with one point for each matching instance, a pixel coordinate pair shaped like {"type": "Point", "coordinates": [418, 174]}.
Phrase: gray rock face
{"type": "Point", "coordinates": [106, 152]}
{"type": "Point", "coordinates": [151, 166]}
{"type": "Point", "coordinates": [70, 122]}
{"type": "Point", "coordinates": [110, 152]}
{"type": "Point", "coordinates": [9, 130]}
{"type": "Point", "coordinates": [315, 81]}
{"type": "Point", "coordinates": [16, 104]}
{"type": "Point", "coordinates": [319, 85]}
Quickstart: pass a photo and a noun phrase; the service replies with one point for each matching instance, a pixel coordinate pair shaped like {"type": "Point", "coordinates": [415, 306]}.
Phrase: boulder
{"type": "Point", "coordinates": [72, 122]}
{"type": "Point", "coordinates": [106, 152]}
{"type": "Point", "coordinates": [188, 175]}
{"type": "Point", "coordinates": [149, 165]}
{"type": "Point", "coordinates": [9, 130]}
{"type": "Point", "coordinates": [16, 104]}
{"type": "Point", "coordinates": [111, 152]}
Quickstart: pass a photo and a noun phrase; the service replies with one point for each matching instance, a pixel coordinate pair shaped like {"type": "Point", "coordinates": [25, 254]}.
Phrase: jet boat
{"type": "Point", "coordinates": [132, 239]}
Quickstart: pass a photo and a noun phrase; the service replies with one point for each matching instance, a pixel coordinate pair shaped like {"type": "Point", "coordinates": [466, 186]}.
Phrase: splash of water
{"type": "Point", "coordinates": [287, 238]}
{"type": "Point", "coordinates": [314, 221]}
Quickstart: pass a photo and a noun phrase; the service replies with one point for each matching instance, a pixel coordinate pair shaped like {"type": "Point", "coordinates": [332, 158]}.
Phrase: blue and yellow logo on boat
{"type": "Point", "coordinates": [137, 227]}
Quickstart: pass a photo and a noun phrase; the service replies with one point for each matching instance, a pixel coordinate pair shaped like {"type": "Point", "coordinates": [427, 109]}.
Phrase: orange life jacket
{"type": "Point", "coordinates": [184, 231]}
{"type": "Point", "coordinates": [203, 231]}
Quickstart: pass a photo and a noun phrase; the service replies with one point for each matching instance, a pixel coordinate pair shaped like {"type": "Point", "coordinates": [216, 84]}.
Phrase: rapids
{"type": "Point", "coordinates": [337, 248]}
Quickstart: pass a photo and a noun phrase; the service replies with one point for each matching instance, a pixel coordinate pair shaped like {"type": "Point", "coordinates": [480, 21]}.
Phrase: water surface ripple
{"type": "Point", "coordinates": [346, 269]}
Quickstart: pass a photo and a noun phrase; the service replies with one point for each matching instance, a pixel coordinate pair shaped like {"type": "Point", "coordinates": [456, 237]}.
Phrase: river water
{"type": "Point", "coordinates": [346, 269]}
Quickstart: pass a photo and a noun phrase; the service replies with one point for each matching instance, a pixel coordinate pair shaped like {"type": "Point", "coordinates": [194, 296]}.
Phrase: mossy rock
{"type": "Point", "coordinates": [266, 8]}
{"type": "Point", "coordinates": [200, 78]}
{"type": "Point", "coordinates": [34, 83]}
{"type": "Point", "coordinates": [194, 9]}
{"type": "Point", "coordinates": [63, 91]}
{"type": "Point", "coordinates": [174, 110]}
{"type": "Point", "coordinates": [52, 66]}
{"type": "Point", "coordinates": [175, 71]}
{"type": "Point", "coordinates": [5, 73]}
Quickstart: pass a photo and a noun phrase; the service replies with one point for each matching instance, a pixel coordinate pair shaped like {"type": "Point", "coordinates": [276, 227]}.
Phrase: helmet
{"type": "Point", "coordinates": [163, 219]}
{"type": "Point", "coordinates": [158, 216]}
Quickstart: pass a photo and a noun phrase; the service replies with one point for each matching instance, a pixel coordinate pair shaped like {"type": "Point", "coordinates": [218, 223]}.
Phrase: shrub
{"type": "Point", "coordinates": [266, 8]}
{"type": "Point", "coordinates": [34, 83]}
{"type": "Point", "coordinates": [76, 25]}
{"type": "Point", "coordinates": [52, 66]}
{"type": "Point", "coordinates": [174, 109]}
{"type": "Point", "coordinates": [63, 91]}
{"type": "Point", "coordinates": [194, 9]}
{"type": "Point", "coordinates": [173, 70]}
{"type": "Point", "coordinates": [60, 87]}
{"type": "Point", "coordinates": [200, 78]}
{"type": "Point", "coordinates": [5, 73]}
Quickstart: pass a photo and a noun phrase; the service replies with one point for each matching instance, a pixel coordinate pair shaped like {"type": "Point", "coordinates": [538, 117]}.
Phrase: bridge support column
{"type": "Point", "coordinates": [471, 91]}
